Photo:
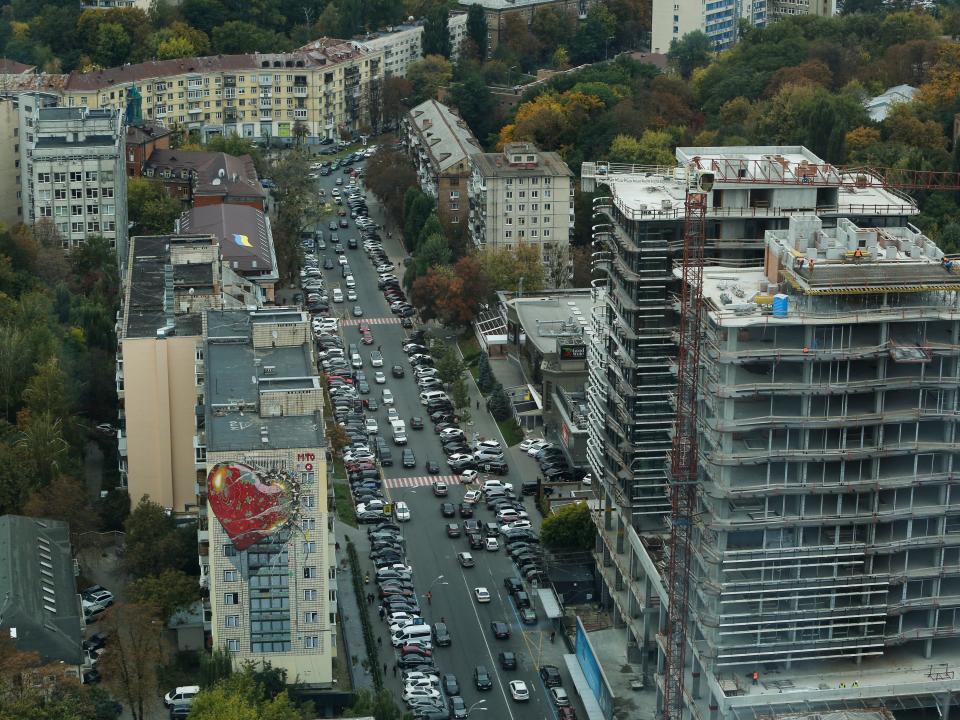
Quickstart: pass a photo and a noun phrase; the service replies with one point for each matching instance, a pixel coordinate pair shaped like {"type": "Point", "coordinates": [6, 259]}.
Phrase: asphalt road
{"type": "Point", "coordinates": [431, 553]}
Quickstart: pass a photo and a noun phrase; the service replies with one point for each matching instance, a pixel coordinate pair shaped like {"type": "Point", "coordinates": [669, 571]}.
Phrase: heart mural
{"type": "Point", "coordinates": [250, 505]}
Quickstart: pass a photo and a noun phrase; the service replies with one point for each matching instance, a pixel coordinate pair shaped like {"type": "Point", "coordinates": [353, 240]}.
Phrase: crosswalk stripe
{"type": "Point", "coordinates": [371, 321]}
{"type": "Point", "coordinates": [403, 482]}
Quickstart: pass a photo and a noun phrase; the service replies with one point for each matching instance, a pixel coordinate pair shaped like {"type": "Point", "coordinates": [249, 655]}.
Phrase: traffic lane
{"type": "Point", "coordinates": [432, 554]}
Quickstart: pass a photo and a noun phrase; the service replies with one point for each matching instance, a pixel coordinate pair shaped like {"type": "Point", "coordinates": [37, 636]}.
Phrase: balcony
{"type": "Point", "coordinates": [121, 443]}
{"type": "Point", "coordinates": [299, 90]}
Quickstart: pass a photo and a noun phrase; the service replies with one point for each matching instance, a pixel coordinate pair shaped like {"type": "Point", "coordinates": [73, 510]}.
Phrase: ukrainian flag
{"type": "Point", "coordinates": [242, 240]}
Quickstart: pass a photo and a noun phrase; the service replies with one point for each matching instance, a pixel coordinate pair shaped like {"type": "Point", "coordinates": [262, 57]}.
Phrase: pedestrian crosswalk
{"type": "Point", "coordinates": [406, 482]}
{"type": "Point", "coordinates": [371, 321]}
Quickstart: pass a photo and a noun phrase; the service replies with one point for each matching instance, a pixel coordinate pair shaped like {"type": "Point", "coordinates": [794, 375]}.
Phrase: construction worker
{"type": "Point", "coordinates": [756, 677]}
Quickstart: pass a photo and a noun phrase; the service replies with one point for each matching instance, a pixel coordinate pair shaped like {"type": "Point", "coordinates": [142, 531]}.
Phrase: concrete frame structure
{"type": "Point", "coordinates": [521, 196]}
{"type": "Point", "coordinates": [76, 176]}
{"type": "Point", "coordinates": [639, 228]}
{"type": "Point", "coordinates": [275, 601]}
{"type": "Point", "coordinates": [440, 144]}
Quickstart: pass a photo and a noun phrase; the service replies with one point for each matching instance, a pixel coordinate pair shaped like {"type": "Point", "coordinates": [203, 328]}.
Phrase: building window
{"type": "Point", "coordinates": [229, 575]}
{"type": "Point", "coordinates": [546, 233]}
{"type": "Point", "coordinates": [231, 598]}
{"type": "Point", "coordinates": [309, 595]}
{"type": "Point", "coordinates": [311, 642]}
{"type": "Point", "coordinates": [308, 524]}
{"type": "Point", "coordinates": [93, 193]}
{"type": "Point", "coordinates": [43, 177]}
{"type": "Point", "coordinates": [46, 211]}
{"type": "Point", "coordinates": [308, 501]}
{"type": "Point", "coordinates": [455, 219]}
{"type": "Point", "coordinates": [91, 175]}
{"type": "Point", "coordinates": [333, 596]}
{"type": "Point", "coordinates": [233, 621]}
{"type": "Point", "coordinates": [76, 227]}
{"type": "Point", "coordinates": [311, 617]}
{"type": "Point", "coordinates": [509, 181]}
{"type": "Point", "coordinates": [454, 195]}
{"type": "Point", "coordinates": [509, 221]}
{"type": "Point", "coordinates": [508, 233]}
{"type": "Point", "coordinates": [534, 193]}
{"type": "Point", "coordinates": [59, 177]}
{"type": "Point", "coordinates": [76, 210]}
{"type": "Point", "coordinates": [547, 181]}
{"type": "Point", "coordinates": [93, 209]}
{"type": "Point", "coordinates": [76, 176]}
{"type": "Point", "coordinates": [93, 227]}
{"type": "Point", "coordinates": [76, 193]}
{"type": "Point", "coordinates": [546, 206]}
{"type": "Point", "coordinates": [309, 546]}
{"type": "Point", "coordinates": [533, 233]}
{"type": "Point", "coordinates": [523, 193]}
{"type": "Point", "coordinates": [60, 194]}
{"type": "Point", "coordinates": [509, 194]}
{"type": "Point", "coordinates": [233, 645]}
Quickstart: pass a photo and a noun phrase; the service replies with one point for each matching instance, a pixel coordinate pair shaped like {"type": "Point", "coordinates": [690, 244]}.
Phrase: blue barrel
{"type": "Point", "coordinates": [781, 304]}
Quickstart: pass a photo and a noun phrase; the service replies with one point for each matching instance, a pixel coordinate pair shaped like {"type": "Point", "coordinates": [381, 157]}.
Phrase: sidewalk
{"type": "Point", "coordinates": [348, 604]}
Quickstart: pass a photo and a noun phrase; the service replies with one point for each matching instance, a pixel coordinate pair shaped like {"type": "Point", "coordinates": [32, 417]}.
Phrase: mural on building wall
{"type": "Point", "coordinates": [252, 504]}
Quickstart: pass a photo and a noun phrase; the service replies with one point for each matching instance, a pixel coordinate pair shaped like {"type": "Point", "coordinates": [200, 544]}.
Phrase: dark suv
{"type": "Point", "coordinates": [481, 678]}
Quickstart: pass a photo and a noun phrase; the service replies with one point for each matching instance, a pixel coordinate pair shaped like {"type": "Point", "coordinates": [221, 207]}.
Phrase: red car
{"type": "Point", "coordinates": [415, 650]}
{"type": "Point", "coordinates": [566, 713]}
{"type": "Point", "coordinates": [367, 339]}
{"type": "Point", "coordinates": [363, 328]}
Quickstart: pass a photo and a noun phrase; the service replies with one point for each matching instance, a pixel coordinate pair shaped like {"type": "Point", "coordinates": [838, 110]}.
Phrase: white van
{"type": "Point", "coordinates": [182, 695]}
{"type": "Point", "coordinates": [350, 283]}
{"type": "Point", "coordinates": [404, 635]}
{"type": "Point", "coordinates": [429, 395]}
{"type": "Point", "coordinates": [399, 432]}
{"type": "Point", "coordinates": [337, 295]}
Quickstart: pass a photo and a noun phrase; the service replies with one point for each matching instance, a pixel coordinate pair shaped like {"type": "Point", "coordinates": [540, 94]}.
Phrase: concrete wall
{"type": "Point", "coordinates": [11, 211]}
{"type": "Point", "coordinates": [160, 399]}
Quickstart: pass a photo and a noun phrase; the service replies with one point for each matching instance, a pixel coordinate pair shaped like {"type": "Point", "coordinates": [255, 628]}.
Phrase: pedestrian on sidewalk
{"type": "Point", "coordinates": [478, 404]}
{"type": "Point", "coordinates": [429, 598]}
{"type": "Point", "coordinates": [384, 668]}
{"type": "Point", "coordinates": [394, 669]}
{"type": "Point", "coordinates": [553, 635]}
{"type": "Point", "coordinates": [381, 611]}
{"type": "Point", "coordinates": [380, 645]}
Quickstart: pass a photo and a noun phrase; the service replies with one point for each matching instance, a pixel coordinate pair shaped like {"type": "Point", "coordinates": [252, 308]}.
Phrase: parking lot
{"type": "Point", "coordinates": [441, 588]}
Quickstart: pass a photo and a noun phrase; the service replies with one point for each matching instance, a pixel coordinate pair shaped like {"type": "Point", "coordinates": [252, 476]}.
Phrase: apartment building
{"type": "Point", "coordinates": [403, 44]}
{"type": "Point", "coordinates": [320, 90]}
{"type": "Point", "coordinates": [245, 238]}
{"type": "Point", "coordinates": [440, 144]}
{"type": "Point", "coordinates": [497, 12]}
{"type": "Point", "coordinates": [76, 177]}
{"type": "Point", "coordinates": [824, 556]}
{"type": "Point", "coordinates": [200, 178]}
{"type": "Point", "coordinates": [521, 196]}
{"type": "Point", "coordinates": [170, 281]}
{"type": "Point", "coordinates": [273, 600]}
{"type": "Point", "coordinates": [142, 140]}
{"type": "Point", "coordinates": [719, 19]}
{"type": "Point", "coordinates": [638, 227]}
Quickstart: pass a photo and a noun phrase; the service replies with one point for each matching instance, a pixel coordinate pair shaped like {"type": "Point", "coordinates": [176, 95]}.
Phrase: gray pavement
{"type": "Point", "coordinates": [429, 551]}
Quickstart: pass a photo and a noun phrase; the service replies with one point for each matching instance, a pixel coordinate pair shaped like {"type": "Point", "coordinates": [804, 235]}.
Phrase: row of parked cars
{"type": "Point", "coordinates": [387, 280]}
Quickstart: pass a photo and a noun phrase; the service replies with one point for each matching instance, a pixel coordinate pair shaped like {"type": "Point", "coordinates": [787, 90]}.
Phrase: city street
{"type": "Point", "coordinates": [431, 553]}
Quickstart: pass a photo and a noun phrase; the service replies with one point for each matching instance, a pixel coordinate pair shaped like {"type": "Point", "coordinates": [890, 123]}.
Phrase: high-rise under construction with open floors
{"type": "Point", "coordinates": [825, 569]}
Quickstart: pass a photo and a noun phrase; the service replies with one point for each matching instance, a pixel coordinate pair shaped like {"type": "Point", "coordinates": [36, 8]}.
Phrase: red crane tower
{"type": "Point", "coordinates": [701, 176]}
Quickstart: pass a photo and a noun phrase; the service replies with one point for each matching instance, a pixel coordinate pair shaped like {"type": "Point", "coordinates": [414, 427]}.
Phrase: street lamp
{"type": "Point", "coordinates": [478, 702]}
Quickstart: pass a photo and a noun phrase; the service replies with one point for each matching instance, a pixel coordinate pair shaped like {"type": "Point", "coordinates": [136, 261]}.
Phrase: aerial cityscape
{"type": "Point", "coordinates": [505, 359]}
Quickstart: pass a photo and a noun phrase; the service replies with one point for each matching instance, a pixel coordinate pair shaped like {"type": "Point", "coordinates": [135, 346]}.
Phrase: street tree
{"type": "Point", "coordinates": [689, 52]}
{"type": "Point", "coordinates": [338, 438]}
{"type": "Point", "coordinates": [472, 99]}
{"type": "Point", "coordinates": [389, 177]}
{"type": "Point", "coordinates": [154, 543]}
{"type": "Point", "coordinates": [150, 208]}
{"type": "Point", "coordinates": [568, 528]}
{"type": "Point", "coordinates": [507, 268]}
{"type": "Point", "coordinates": [499, 404]}
{"type": "Point", "coordinates": [460, 393]}
{"type": "Point", "coordinates": [136, 648]}
{"type": "Point", "coordinates": [485, 379]}
{"type": "Point", "coordinates": [244, 696]}
{"type": "Point", "coordinates": [436, 32]}
{"type": "Point", "coordinates": [477, 28]}
{"type": "Point", "coordinates": [66, 499]}
{"type": "Point", "coordinates": [396, 93]}
{"type": "Point", "coordinates": [450, 367]}
{"type": "Point", "coordinates": [169, 591]}
{"type": "Point", "coordinates": [427, 76]}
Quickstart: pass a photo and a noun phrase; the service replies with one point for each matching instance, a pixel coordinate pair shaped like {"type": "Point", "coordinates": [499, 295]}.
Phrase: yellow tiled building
{"type": "Point", "coordinates": [321, 89]}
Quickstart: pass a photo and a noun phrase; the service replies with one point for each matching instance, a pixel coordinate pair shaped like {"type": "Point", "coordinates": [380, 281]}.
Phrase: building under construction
{"type": "Point", "coordinates": [825, 571]}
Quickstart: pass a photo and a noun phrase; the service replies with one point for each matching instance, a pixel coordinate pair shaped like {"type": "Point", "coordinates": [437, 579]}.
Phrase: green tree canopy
{"type": "Point", "coordinates": [168, 591]}
{"type": "Point", "coordinates": [150, 208]}
{"type": "Point", "coordinates": [436, 32]}
{"type": "Point", "coordinates": [155, 544]}
{"type": "Point", "coordinates": [568, 528]}
{"type": "Point", "coordinates": [477, 28]}
{"type": "Point", "coordinates": [689, 52]}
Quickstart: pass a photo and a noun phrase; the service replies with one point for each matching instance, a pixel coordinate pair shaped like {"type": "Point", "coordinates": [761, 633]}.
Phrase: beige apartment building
{"type": "Point", "coordinates": [274, 601]}
{"type": "Point", "coordinates": [319, 90]}
{"type": "Point", "coordinates": [170, 281]}
{"type": "Point", "coordinates": [521, 196]}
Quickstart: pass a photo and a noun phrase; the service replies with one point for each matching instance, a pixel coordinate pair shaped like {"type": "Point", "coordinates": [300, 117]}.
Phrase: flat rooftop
{"type": "Point", "coordinates": [236, 375]}
{"type": "Point", "coordinates": [152, 280]}
{"type": "Point", "coordinates": [545, 317]}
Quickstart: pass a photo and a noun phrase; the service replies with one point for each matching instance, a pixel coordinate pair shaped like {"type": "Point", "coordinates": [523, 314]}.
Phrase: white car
{"type": "Point", "coordinates": [342, 259]}
{"type": "Point", "coordinates": [400, 567]}
{"type": "Point", "coordinates": [411, 693]}
{"type": "Point", "coordinates": [376, 358]}
{"type": "Point", "coordinates": [401, 619]}
{"type": "Point", "coordinates": [510, 516]}
{"type": "Point", "coordinates": [518, 691]}
{"type": "Point", "coordinates": [387, 397]}
{"type": "Point", "coordinates": [536, 446]}
{"type": "Point", "coordinates": [471, 497]}
{"type": "Point", "coordinates": [528, 443]}
{"type": "Point", "coordinates": [371, 425]}
{"type": "Point", "coordinates": [402, 511]}
{"type": "Point", "coordinates": [516, 525]}
{"type": "Point", "coordinates": [351, 295]}
{"type": "Point", "coordinates": [413, 683]}
{"type": "Point", "coordinates": [379, 378]}
{"type": "Point", "coordinates": [487, 445]}
{"type": "Point", "coordinates": [470, 476]}
{"type": "Point", "coordinates": [494, 484]}
{"type": "Point", "coordinates": [181, 696]}
{"type": "Point", "coordinates": [587, 479]}
{"type": "Point", "coordinates": [492, 544]}
{"type": "Point", "coordinates": [417, 675]}
{"type": "Point", "coordinates": [450, 432]}
{"type": "Point", "coordinates": [481, 594]}
{"type": "Point", "coordinates": [393, 414]}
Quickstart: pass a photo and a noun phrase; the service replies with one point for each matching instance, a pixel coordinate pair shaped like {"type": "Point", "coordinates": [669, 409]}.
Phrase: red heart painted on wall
{"type": "Point", "coordinates": [249, 505]}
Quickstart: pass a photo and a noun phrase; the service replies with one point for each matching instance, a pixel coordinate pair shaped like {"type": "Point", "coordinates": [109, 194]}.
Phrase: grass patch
{"type": "Point", "coordinates": [470, 348]}
{"type": "Point", "coordinates": [341, 672]}
{"type": "Point", "coordinates": [344, 502]}
{"type": "Point", "coordinates": [512, 434]}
